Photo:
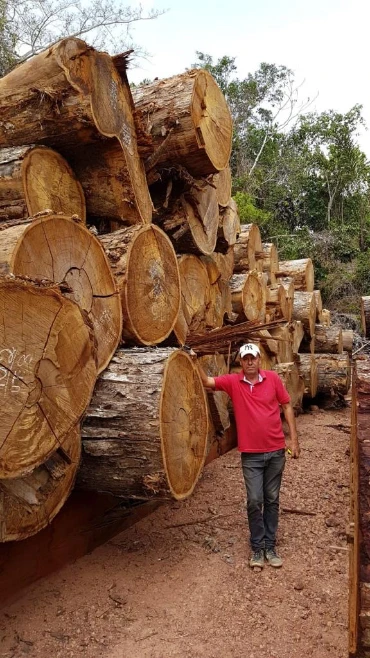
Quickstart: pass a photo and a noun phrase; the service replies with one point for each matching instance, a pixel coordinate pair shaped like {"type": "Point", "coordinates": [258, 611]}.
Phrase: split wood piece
{"type": "Point", "coordinates": [35, 179]}
{"type": "Point", "coordinates": [347, 338]}
{"type": "Point", "coordinates": [304, 309]}
{"type": "Point", "coordinates": [68, 96]}
{"type": "Point", "coordinates": [307, 368]}
{"type": "Point", "coordinates": [191, 221]}
{"type": "Point", "coordinates": [294, 384]}
{"type": "Point", "coordinates": [229, 227]}
{"type": "Point", "coordinates": [318, 302]}
{"type": "Point", "coordinates": [55, 248]}
{"type": "Point", "coordinates": [223, 184]}
{"type": "Point", "coordinates": [283, 337]}
{"type": "Point", "coordinates": [269, 260]}
{"type": "Point", "coordinates": [288, 283]}
{"type": "Point", "coordinates": [365, 316]}
{"type": "Point", "coordinates": [334, 373]}
{"type": "Point", "coordinates": [248, 295]}
{"type": "Point", "coordinates": [219, 417]}
{"type": "Point", "coordinates": [188, 120]}
{"type": "Point", "coordinates": [145, 432]}
{"type": "Point", "coordinates": [328, 340]}
{"type": "Point", "coordinates": [297, 334]}
{"type": "Point", "coordinates": [358, 531]}
{"type": "Point", "coordinates": [325, 317]}
{"type": "Point", "coordinates": [300, 270]}
{"type": "Point", "coordinates": [47, 374]}
{"type": "Point", "coordinates": [145, 268]}
{"type": "Point", "coordinates": [28, 504]}
{"type": "Point", "coordinates": [219, 265]}
{"type": "Point", "coordinates": [277, 302]}
{"type": "Point", "coordinates": [195, 297]}
{"type": "Point", "coordinates": [247, 245]}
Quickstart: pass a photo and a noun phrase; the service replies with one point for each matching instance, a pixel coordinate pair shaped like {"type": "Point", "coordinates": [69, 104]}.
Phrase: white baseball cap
{"type": "Point", "coordinates": [249, 348]}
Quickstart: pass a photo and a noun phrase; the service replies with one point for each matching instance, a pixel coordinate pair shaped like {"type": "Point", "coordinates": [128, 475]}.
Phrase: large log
{"type": "Point", "coordinates": [247, 245]}
{"type": "Point", "coordinates": [333, 373]}
{"type": "Point", "coordinates": [145, 432]}
{"type": "Point", "coordinates": [248, 294]}
{"type": "Point", "coordinates": [195, 297]}
{"type": "Point", "coordinates": [307, 368]}
{"type": "Point", "coordinates": [33, 179]}
{"type": "Point", "coordinates": [289, 374]}
{"type": "Point", "coordinates": [328, 340]}
{"type": "Point", "coordinates": [297, 334]}
{"type": "Point", "coordinates": [318, 302]}
{"type": "Point", "coordinates": [218, 411]}
{"type": "Point", "coordinates": [191, 219]}
{"type": "Point", "coordinates": [300, 270]}
{"type": "Point", "coordinates": [304, 309]}
{"type": "Point", "coordinates": [220, 304]}
{"type": "Point", "coordinates": [223, 183]}
{"type": "Point", "coordinates": [29, 504]}
{"type": "Point", "coordinates": [269, 260]}
{"type": "Point", "coordinates": [47, 374]}
{"type": "Point", "coordinates": [145, 268]}
{"type": "Point", "coordinates": [277, 305]}
{"type": "Point", "coordinates": [55, 248]}
{"type": "Point", "coordinates": [188, 120]}
{"type": "Point", "coordinates": [325, 317]}
{"type": "Point", "coordinates": [229, 226]}
{"type": "Point", "coordinates": [283, 338]}
{"type": "Point", "coordinates": [365, 316]}
{"type": "Point", "coordinates": [68, 96]}
{"type": "Point", "coordinates": [347, 337]}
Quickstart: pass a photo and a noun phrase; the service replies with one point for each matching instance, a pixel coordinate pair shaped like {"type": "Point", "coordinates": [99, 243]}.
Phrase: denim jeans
{"type": "Point", "coordinates": [262, 473]}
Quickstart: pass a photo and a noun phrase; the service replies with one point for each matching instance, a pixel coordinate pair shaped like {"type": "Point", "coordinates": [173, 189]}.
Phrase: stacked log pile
{"type": "Point", "coordinates": [119, 245]}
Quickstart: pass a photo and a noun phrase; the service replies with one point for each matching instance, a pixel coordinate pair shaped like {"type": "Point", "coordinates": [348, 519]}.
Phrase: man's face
{"type": "Point", "coordinates": [250, 365]}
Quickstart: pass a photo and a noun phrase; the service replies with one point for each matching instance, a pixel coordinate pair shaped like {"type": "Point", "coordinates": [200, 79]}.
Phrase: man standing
{"type": "Point", "coordinates": [256, 396]}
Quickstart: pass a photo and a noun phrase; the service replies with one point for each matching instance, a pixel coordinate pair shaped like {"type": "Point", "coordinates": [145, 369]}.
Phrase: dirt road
{"type": "Point", "coordinates": [177, 584]}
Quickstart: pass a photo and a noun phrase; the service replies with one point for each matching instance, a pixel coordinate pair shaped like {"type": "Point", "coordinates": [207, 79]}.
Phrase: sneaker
{"type": "Point", "coordinates": [257, 559]}
{"type": "Point", "coordinates": [273, 558]}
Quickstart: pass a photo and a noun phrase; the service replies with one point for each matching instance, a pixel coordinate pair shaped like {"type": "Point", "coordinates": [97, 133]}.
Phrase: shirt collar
{"type": "Point", "coordinates": [261, 376]}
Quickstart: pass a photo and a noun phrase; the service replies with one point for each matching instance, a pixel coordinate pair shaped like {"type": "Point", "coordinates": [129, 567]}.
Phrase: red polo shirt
{"type": "Point", "coordinates": [256, 409]}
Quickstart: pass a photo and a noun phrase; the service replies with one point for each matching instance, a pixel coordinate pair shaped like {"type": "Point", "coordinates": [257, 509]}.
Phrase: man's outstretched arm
{"type": "Point", "coordinates": [290, 419]}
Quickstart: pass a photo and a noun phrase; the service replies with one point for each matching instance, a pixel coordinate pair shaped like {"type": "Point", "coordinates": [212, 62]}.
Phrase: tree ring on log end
{"type": "Point", "coordinates": [47, 374]}
{"type": "Point", "coordinates": [60, 250]}
{"type": "Point", "coordinates": [254, 298]}
{"type": "Point", "coordinates": [212, 120]}
{"type": "Point", "coordinates": [152, 291]}
{"type": "Point", "coordinates": [183, 424]}
{"type": "Point", "coordinates": [28, 504]}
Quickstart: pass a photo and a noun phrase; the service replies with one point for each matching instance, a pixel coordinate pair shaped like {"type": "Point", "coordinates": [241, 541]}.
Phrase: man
{"type": "Point", "coordinates": [256, 395]}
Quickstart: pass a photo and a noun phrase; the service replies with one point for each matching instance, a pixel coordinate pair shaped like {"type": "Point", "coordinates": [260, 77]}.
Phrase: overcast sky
{"type": "Point", "coordinates": [325, 43]}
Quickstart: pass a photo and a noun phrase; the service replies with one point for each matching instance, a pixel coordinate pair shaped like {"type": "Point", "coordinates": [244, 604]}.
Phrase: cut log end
{"type": "Point", "coordinates": [184, 424]}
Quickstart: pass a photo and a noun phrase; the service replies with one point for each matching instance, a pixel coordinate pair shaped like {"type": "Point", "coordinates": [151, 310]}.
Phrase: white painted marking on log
{"type": "Point", "coordinates": [17, 366]}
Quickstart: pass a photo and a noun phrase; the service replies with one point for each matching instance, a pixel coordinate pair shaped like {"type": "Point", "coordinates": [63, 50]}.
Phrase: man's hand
{"type": "Point", "coordinates": [295, 448]}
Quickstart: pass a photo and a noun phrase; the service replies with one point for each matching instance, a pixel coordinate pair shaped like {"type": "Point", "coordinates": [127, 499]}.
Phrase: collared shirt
{"type": "Point", "coordinates": [256, 409]}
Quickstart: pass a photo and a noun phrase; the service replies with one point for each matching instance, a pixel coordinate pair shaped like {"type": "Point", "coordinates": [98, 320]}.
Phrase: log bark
{"type": "Point", "coordinates": [325, 317]}
{"type": "Point", "coordinates": [195, 297]}
{"type": "Point", "coordinates": [29, 504]}
{"type": "Point", "coordinates": [145, 432]}
{"type": "Point", "coordinates": [223, 184]}
{"type": "Point", "coordinates": [188, 121]}
{"type": "Point", "coordinates": [318, 302]}
{"type": "Point", "coordinates": [146, 272]}
{"type": "Point", "coordinates": [288, 372]}
{"type": "Point", "coordinates": [347, 337]}
{"type": "Point", "coordinates": [334, 373]}
{"type": "Point", "coordinates": [47, 374]}
{"type": "Point", "coordinates": [304, 309]}
{"type": "Point", "coordinates": [297, 334]}
{"type": "Point", "coordinates": [34, 179]}
{"type": "Point", "coordinates": [229, 227]}
{"type": "Point", "coordinates": [307, 368]}
{"type": "Point", "coordinates": [365, 316]}
{"type": "Point", "coordinates": [59, 250]}
{"type": "Point", "coordinates": [68, 96]}
{"type": "Point", "coordinates": [300, 270]}
{"type": "Point", "coordinates": [328, 340]}
{"type": "Point", "coordinates": [218, 412]}
{"type": "Point", "coordinates": [248, 295]}
{"type": "Point", "coordinates": [247, 245]}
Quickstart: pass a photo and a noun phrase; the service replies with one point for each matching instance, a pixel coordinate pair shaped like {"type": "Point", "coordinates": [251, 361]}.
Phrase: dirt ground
{"type": "Point", "coordinates": [178, 583]}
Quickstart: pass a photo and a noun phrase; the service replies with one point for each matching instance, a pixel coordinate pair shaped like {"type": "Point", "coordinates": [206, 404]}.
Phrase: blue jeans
{"type": "Point", "coordinates": [262, 473]}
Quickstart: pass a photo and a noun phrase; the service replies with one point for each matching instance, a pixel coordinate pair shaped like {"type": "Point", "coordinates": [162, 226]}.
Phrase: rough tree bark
{"type": "Point", "coordinates": [365, 316]}
{"type": "Point", "coordinates": [247, 244]}
{"type": "Point", "coordinates": [333, 373]}
{"type": "Point", "coordinates": [307, 368]}
{"type": "Point", "coordinates": [145, 432]}
{"type": "Point", "coordinates": [328, 340]}
{"type": "Point", "coordinates": [304, 309]}
{"type": "Point", "coordinates": [301, 271]}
